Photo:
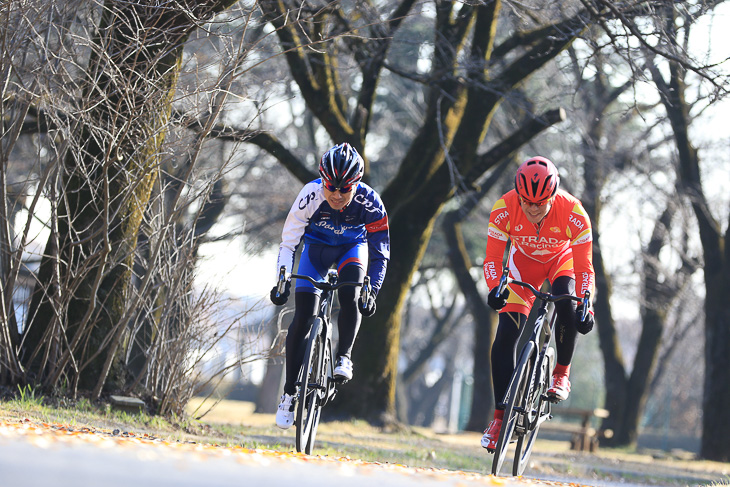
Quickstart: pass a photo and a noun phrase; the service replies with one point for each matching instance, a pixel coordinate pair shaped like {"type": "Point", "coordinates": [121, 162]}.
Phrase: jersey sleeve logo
{"type": "Point", "coordinates": [305, 200]}
{"type": "Point", "coordinates": [584, 237]}
{"type": "Point", "coordinates": [495, 232]}
{"type": "Point", "coordinates": [366, 203]}
{"type": "Point", "coordinates": [377, 226]}
{"type": "Point", "coordinates": [579, 224]}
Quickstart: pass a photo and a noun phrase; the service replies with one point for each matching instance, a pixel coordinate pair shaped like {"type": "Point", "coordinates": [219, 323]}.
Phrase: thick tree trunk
{"type": "Point", "coordinates": [80, 307]}
{"type": "Point", "coordinates": [625, 396]}
{"type": "Point", "coordinates": [716, 397]}
{"type": "Point", "coordinates": [372, 395]}
{"type": "Point", "coordinates": [716, 253]}
{"type": "Point", "coordinates": [615, 372]}
{"type": "Point", "coordinates": [442, 157]}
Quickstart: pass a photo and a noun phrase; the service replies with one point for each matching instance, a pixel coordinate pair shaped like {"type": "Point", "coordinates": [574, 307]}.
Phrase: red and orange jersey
{"type": "Point", "coordinates": [566, 225]}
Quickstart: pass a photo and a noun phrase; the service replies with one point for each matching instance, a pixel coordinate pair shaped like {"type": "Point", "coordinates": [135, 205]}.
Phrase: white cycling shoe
{"type": "Point", "coordinates": [343, 370]}
{"type": "Point", "coordinates": [285, 412]}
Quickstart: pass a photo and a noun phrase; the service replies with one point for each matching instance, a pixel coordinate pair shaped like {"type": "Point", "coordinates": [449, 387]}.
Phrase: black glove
{"type": "Point", "coordinates": [497, 303]}
{"type": "Point", "coordinates": [587, 325]}
{"type": "Point", "coordinates": [366, 309]}
{"type": "Point", "coordinates": [281, 299]}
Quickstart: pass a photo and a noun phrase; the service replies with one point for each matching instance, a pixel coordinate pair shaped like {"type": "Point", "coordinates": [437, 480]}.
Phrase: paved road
{"type": "Point", "coordinates": [35, 455]}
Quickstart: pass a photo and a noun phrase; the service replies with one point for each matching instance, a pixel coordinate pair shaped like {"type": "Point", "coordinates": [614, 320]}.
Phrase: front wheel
{"type": "Point", "coordinates": [308, 403]}
{"type": "Point", "coordinates": [515, 399]}
{"type": "Point", "coordinates": [536, 402]}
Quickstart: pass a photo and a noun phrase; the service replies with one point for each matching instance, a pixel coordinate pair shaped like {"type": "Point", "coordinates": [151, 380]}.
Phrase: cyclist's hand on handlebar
{"type": "Point", "coordinates": [281, 298]}
{"type": "Point", "coordinates": [587, 325]}
{"type": "Point", "coordinates": [367, 309]}
{"type": "Point", "coordinates": [497, 303]}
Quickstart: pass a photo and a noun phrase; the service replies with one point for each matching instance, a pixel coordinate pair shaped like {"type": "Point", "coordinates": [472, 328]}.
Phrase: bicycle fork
{"type": "Point", "coordinates": [535, 409]}
{"type": "Point", "coordinates": [330, 389]}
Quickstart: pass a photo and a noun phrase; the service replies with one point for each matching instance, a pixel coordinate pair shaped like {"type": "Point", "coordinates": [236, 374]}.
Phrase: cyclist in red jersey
{"type": "Point", "coordinates": [551, 239]}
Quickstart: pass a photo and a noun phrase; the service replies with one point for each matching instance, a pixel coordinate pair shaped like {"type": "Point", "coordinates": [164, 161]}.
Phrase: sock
{"type": "Point", "coordinates": [561, 369]}
{"type": "Point", "coordinates": [499, 414]}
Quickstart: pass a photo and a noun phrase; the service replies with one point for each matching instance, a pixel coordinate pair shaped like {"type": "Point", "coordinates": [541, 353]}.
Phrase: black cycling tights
{"type": "Point", "coordinates": [306, 306]}
{"type": "Point", "coordinates": [504, 348]}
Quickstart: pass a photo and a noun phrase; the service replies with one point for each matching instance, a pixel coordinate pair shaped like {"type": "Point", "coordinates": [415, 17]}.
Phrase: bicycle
{"type": "Point", "coordinates": [316, 382]}
{"type": "Point", "coordinates": [526, 399]}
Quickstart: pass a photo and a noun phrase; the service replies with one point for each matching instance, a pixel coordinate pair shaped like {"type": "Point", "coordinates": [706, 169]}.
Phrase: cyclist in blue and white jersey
{"type": "Point", "coordinates": [339, 221]}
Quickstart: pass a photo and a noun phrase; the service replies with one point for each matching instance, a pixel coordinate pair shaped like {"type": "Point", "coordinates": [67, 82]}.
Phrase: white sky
{"type": "Point", "coordinates": [225, 265]}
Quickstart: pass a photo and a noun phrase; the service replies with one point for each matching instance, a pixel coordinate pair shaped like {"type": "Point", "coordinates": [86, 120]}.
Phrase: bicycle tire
{"type": "Point", "coordinates": [307, 402]}
{"type": "Point", "coordinates": [518, 384]}
{"type": "Point", "coordinates": [536, 401]}
{"type": "Point", "coordinates": [322, 385]}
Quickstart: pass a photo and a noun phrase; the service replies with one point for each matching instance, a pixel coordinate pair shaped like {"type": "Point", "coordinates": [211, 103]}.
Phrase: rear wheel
{"type": "Point", "coordinates": [515, 400]}
{"type": "Point", "coordinates": [536, 407]}
{"type": "Point", "coordinates": [308, 400]}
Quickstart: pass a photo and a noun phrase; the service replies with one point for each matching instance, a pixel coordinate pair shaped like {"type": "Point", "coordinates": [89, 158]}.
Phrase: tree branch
{"type": "Point", "coordinates": [509, 146]}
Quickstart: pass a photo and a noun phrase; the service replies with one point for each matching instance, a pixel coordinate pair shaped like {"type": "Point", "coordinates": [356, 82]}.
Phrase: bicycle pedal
{"type": "Point", "coordinates": [549, 398]}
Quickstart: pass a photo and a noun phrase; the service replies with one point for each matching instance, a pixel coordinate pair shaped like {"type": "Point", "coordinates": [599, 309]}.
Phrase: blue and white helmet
{"type": "Point", "coordinates": [341, 167]}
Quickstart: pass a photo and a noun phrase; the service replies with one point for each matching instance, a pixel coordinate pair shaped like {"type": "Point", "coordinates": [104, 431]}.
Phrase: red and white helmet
{"type": "Point", "coordinates": [537, 180]}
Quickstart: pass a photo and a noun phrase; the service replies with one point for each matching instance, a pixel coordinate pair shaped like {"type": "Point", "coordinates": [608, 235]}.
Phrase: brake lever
{"type": "Point", "coordinates": [365, 290]}
{"type": "Point", "coordinates": [281, 284]}
{"type": "Point", "coordinates": [503, 282]}
{"type": "Point", "coordinates": [586, 305]}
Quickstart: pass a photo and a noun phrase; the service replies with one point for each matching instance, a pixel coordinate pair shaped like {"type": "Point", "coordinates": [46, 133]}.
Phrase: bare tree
{"type": "Point", "coordinates": [467, 81]}
{"type": "Point", "coordinates": [114, 307]}
{"type": "Point", "coordinates": [716, 252]}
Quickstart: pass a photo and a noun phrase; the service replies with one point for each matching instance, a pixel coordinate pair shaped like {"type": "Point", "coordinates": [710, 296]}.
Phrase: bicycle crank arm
{"type": "Point", "coordinates": [542, 419]}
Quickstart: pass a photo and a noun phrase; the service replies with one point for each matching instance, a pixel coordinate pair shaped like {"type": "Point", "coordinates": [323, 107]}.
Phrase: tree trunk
{"type": "Point", "coordinates": [81, 306]}
{"type": "Point", "coordinates": [442, 157]}
{"type": "Point", "coordinates": [482, 403]}
{"type": "Point", "coordinates": [657, 300]}
{"type": "Point", "coordinates": [373, 395]}
{"type": "Point", "coordinates": [716, 252]}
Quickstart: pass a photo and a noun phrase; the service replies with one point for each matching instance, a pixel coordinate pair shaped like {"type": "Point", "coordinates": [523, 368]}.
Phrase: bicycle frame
{"type": "Point", "coordinates": [542, 332]}
{"type": "Point", "coordinates": [316, 382]}
{"type": "Point", "coordinates": [526, 403]}
{"type": "Point", "coordinates": [322, 326]}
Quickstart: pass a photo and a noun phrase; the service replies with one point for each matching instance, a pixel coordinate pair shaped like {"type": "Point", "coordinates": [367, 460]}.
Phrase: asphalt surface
{"type": "Point", "coordinates": [34, 454]}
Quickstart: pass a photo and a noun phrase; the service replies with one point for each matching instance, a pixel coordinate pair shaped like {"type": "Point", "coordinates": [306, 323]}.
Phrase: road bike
{"type": "Point", "coordinates": [316, 382]}
{"type": "Point", "coordinates": [527, 404]}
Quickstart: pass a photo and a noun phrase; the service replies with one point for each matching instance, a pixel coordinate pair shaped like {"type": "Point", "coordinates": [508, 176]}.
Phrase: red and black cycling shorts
{"type": "Point", "coordinates": [525, 269]}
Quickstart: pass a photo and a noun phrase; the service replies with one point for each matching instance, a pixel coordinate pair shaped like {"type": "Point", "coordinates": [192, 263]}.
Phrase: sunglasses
{"type": "Point", "coordinates": [529, 203]}
{"type": "Point", "coordinates": [333, 188]}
